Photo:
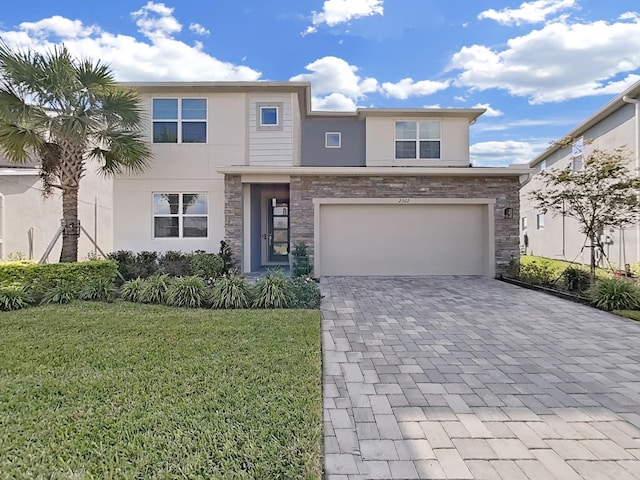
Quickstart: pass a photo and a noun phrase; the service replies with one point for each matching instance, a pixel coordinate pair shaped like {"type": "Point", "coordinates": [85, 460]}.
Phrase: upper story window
{"type": "Point", "coordinates": [333, 140]}
{"type": "Point", "coordinates": [540, 221]}
{"type": "Point", "coordinates": [417, 140]}
{"type": "Point", "coordinates": [269, 116]}
{"type": "Point", "coordinates": [543, 165]}
{"type": "Point", "coordinates": [180, 215]}
{"type": "Point", "coordinates": [577, 155]}
{"type": "Point", "coordinates": [179, 120]}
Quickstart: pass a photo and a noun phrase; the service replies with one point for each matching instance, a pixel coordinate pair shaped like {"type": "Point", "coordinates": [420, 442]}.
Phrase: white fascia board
{"type": "Point", "coordinates": [19, 172]}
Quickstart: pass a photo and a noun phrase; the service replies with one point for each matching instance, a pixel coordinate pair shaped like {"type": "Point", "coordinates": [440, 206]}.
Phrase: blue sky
{"type": "Point", "coordinates": [539, 67]}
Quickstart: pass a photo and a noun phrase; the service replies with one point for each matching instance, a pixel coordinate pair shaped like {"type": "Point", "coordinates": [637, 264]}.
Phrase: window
{"type": "Point", "coordinates": [268, 116]}
{"type": "Point", "coordinates": [523, 223]}
{"type": "Point", "coordinates": [333, 140]}
{"type": "Point", "coordinates": [180, 215]}
{"type": "Point", "coordinates": [540, 221]}
{"type": "Point", "coordinates": [179, 120]}
{"type": "Point", "coordinates": [577, 154]}
{"type": "Point", "coordinates": [543, 165]}
{"type": "Point", "coordinates": [418, 139]}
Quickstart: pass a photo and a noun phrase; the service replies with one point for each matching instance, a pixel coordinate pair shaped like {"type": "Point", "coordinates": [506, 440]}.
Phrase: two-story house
{"type": "Point", "coordinates": [615, 125]}
{"type": "Point", "coordinates": [371, 192]}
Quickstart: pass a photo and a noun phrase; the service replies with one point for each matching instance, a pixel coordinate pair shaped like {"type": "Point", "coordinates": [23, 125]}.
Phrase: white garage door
{"type": "Point", "coordinates": [413, 239]}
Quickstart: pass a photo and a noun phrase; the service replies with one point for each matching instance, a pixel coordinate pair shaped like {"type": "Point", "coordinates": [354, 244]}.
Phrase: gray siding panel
{"type": "Point", "coordinates": [352, 151]}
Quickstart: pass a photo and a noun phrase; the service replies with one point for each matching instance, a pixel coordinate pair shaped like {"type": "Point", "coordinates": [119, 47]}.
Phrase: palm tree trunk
{"type": "Point", "coordinates": [71, 231]}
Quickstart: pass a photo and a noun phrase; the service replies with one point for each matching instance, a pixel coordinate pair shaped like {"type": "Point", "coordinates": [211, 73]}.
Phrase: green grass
{"type": "Point", "coordinates": [632, 314]}
{"type": "Point", "coordinates": [106, 391]}
{"type": "Point", "coordinates": [559, 266]}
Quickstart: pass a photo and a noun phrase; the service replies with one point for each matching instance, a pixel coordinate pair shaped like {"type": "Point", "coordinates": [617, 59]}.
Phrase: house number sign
{"type": "Point", "coordinates": [404, 200]}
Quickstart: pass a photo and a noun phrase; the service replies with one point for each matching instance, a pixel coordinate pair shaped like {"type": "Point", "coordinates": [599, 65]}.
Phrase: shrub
{"type": "Point", "coordinates": [576, 279]}
{"type": "Point", "coordinates": [231, 292]}
{"type": "Point", "coordinates": [131, 290]}
{"type": "Point", "coordinates": [99, 290]}
{"type": "Point", "coordinates": [301, 265]}
{"type": "Point", "coordinates": [63, 292]}
{"type": "Point", "coordinates": [273, 291]}
{"type": "Point", "coordinates": [155, 289]}
{"type": "Point", "coordinates": [208, 266]}
{"type": "Point", "coordinates": [537, 273]}
{"type": "Point", "coordinates": [615, 294]}
{"type": "Point", "coordinates": [228, 265]}
{"type": "Point", "coordinates": [189, 292]}
{"type": "Point", "coordinates": [130, 265]}
{"type": "Point", "coordinates": [41, 277]}
{"type": "Point", "coordinates": [305, 292]}
{"type": "Point", "coordinates": [175, 264]}
{"type": "Point", "coordinates": [14, 297]}
{"type": "Point", "coordinates": [513, 268]}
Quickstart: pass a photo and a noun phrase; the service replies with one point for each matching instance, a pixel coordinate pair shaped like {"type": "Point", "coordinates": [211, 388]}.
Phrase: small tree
{"type": "Point", "coordinates": [65, 112]}
{"type": "Point", "coordinates": [604, 194]}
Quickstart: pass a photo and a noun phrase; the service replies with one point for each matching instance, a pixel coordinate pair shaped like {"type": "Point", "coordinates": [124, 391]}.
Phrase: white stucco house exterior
{"type": "Point", "coordinates": [615, 125]}
{"type": "Point", "coordinates": [29, 222]}
{"type": "Point", "coordinates": [371, 192]}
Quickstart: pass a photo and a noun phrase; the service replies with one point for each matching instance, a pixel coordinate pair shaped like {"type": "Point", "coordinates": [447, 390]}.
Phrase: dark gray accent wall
{"type": "Point", "coordinates": [350, 154]}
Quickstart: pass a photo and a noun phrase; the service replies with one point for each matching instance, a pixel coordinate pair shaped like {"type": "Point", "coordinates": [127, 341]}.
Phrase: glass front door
{"type": "Point", "coordinates": [278, 236]}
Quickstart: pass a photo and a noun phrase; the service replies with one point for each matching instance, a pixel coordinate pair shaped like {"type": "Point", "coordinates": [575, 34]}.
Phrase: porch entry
{"type": "Point", "coordinates": [269, 226]}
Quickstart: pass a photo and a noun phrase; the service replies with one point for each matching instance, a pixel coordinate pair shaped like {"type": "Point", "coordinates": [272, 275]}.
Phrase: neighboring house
{"type": "Point", "coordinates": [29, 222]}
{"type": "Point", "coordinates": [372, 192]}
{"type": "Point", "coordinates": [615, 125]}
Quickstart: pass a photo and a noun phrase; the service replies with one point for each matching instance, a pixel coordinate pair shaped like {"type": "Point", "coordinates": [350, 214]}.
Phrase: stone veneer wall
{"type": "Point", "coordinates": [233, 215]}
{"type": "Point", "coordinates": [504, 189]}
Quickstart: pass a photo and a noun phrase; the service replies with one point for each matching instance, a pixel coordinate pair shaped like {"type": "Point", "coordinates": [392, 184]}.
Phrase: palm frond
{"type": "Point", "coordinates": [18, 143]}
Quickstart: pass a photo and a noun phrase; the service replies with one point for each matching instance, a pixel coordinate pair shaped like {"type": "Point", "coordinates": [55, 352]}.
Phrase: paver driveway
{"type": "Point", "coordinates": [462, 378]}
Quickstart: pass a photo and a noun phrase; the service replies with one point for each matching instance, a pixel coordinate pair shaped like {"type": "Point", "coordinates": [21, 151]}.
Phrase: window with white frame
{"type": "Point", "coordinates": [333, 140]}
{"type": "Point", "coordinates": [179, 120]}
{"type": "Point", "coordinates": [180, 215]}
{"type": "Point", "coordinates": [577, 154]}
{"type": "Point", "coordinates": [269, 116]}
{"type": "Point", "coordinates": [417, 140]}
{"type": "Point", "coordinates": [543, 165]}
{"type": "Point", "coordinates": [540, 221]}
{"type": "Point", "coordinates": [523, 223]}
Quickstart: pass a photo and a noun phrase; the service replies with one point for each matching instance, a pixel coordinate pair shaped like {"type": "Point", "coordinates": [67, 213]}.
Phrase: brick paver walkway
{"type": "Point", "coordinates": [469, 378]}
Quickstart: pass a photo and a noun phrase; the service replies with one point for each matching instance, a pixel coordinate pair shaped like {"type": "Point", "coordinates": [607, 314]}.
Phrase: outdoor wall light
{"type": "Point", "coordinates": [508, 212]}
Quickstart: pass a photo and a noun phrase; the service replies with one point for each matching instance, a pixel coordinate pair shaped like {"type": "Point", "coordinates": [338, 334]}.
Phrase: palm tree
{"type": "Point", "coordinates": [65, 112]}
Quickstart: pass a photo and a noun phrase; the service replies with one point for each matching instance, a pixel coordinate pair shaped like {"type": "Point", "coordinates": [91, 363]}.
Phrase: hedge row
{"type": "Point", "coordinates": [40, 277]}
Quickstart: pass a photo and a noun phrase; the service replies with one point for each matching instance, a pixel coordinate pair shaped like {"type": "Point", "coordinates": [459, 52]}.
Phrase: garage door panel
{"type": "Point", "coordinates": [391, 239]}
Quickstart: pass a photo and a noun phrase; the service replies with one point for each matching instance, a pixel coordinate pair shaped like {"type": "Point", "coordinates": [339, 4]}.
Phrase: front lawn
{"type": "Point", "coordinates": [91, 390]}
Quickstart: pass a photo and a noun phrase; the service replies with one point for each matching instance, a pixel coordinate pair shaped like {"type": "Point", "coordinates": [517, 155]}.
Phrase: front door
{"type": "Point", "coordinates": [278, 231]}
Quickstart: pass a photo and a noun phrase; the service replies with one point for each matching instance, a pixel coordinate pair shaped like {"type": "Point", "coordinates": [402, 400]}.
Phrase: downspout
{"type": "Point", "coordinates": [636, 102]}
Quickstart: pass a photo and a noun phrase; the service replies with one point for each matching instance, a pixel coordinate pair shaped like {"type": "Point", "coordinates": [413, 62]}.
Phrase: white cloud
{"type": "Point", "coordinates": [156, 20]}
{"type": "Point", "coordinates": [199, 29]}
{"type": "Point", "coordinates": [162, 57]}
{"type": "Point", "coordinates": [335, 102]}
{"type": "Point", "coordinates": [60, 26]}
{"type": "Point", "coordinates": [525, 123]}
{"type": "Point", "coordinates": [406, 88]}
{"type": "Point", "coordinates": [491, 112]}
{"type": "Point", "coordinates": [335, 12]}
{"type": "Point", "coordinates": [528, 12]}
{"type": "Point", "coordinates": [556, 63]}
{"type": "Point", "coordinates": [332, 75]}
{"type": "Point", "coordinates": [492, 154]}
